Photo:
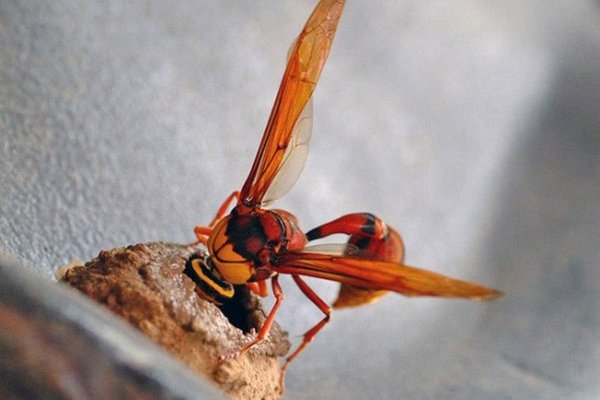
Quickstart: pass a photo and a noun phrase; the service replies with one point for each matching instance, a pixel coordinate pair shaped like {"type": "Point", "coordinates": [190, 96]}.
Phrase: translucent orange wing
{"type": "Point", "coordinates": [374, 274]}
{"type": "Point", "coordinates": [305, 64]}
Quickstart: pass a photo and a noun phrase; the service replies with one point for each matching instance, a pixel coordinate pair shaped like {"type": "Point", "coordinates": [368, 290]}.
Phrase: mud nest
{"type": "Point", "coordinates": [146, 286]}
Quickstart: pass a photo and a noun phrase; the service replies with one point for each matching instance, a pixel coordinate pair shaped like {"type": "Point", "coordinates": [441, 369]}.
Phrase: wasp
{"type": "Point", "coordinates": [253, 244]}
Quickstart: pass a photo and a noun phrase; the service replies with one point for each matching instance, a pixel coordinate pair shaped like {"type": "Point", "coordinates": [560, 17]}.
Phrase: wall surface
{"type": "Point", "coordinates": [470, 126]}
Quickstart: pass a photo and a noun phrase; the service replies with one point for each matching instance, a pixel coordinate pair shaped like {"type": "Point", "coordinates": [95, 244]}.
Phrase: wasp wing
{"type": "Point", "coordinates": [294, 157]}
{"type": "Point", "coordinates": [333, 249]}
{"type": "Point", "coordinates": [379, 275]}
{"type": "Point", "coordinates": [304, 67]}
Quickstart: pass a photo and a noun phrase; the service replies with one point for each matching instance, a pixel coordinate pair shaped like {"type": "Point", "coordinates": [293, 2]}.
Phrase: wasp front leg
{"type": "Point", "coordinates": [374, 240]}
{"type": "Point", "coordinates": [203, 232]}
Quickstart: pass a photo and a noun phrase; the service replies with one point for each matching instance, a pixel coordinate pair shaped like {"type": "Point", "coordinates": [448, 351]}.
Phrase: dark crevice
{"type": "Point", "coordinates": [243, 310]}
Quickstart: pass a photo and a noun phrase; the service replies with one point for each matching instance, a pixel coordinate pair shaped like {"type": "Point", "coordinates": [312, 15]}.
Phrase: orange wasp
{"type": "Point", "coordinates": [253, 244]}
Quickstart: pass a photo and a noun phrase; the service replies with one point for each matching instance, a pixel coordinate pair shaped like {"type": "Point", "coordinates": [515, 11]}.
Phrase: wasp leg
{"type": "Point", "coordinates": [223, 209]}
{"type": "Point", "coordinates": [374, 239]}
{"type": "Point", "coordinates": [312, 332]}
{"type": "Point", "coordinates": [266, 327]}
{"type": "Point", "coordinates": [260, 288]}
{"type": "Point", "coordinates": [203, 232]}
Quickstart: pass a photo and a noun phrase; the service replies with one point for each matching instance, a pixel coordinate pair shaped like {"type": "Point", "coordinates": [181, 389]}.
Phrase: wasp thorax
{"type": "Point", "coordinates": [242, 246]}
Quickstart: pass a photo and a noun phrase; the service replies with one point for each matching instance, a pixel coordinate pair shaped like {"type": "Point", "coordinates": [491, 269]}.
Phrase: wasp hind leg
{"type": "Point", "coordinates": [312, 332]}
{"type": "Point", "coordinates": [374, 240]}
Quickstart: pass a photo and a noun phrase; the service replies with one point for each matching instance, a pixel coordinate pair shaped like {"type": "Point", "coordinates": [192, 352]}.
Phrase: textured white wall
{"type": "Point", "coordinates": [471, 126]}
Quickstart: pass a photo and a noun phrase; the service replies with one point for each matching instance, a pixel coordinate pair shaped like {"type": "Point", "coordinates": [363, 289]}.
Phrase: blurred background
{"type": "Point", "coordinates": [472, 127]}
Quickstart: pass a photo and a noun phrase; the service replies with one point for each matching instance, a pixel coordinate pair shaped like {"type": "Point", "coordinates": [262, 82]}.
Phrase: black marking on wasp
{"type": "Point", "coordinates": [207, 279]}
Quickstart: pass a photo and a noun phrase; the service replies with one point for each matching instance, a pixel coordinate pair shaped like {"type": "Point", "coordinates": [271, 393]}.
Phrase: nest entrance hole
{"type": "Point", "coordinates": [243, 310]}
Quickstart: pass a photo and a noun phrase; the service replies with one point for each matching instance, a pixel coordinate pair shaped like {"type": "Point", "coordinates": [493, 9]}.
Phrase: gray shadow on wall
{"type": "Point", "coordinates": [544, 241]}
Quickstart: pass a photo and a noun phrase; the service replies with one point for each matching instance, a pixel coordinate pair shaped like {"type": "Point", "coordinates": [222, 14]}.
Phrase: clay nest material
{"type": "Point", "coordinates": [146, 286]}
